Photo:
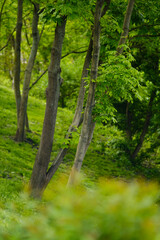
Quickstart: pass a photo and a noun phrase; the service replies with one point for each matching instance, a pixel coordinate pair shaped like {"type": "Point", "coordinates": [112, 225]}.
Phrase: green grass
{"type": "Point", "coordinates": [105, 157]}
{"type": "Point", "coordinates": [107, 200]}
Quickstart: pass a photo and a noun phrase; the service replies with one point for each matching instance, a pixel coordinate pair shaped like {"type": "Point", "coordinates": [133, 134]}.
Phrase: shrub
{"type": "Point", "coordinates": [111, 211]}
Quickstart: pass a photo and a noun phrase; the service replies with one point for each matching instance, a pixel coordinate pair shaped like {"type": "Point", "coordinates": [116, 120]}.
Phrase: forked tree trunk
{"type": "Point", "coordinates": [78, 116]}
{"type": "Point", "coordinates": [39, 174]}
{"type": "Point", "coordinates": [88, 125]}
{"type": "Point", "coordinates": [23, 106]}
{"type": "Point", "coordinates": [126, 24]}
{"type": "Point", "coordinates": [18, 57]}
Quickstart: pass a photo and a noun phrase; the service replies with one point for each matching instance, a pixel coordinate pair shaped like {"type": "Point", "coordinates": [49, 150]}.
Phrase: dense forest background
{"type": "Point", "coordinates": [79, 94]}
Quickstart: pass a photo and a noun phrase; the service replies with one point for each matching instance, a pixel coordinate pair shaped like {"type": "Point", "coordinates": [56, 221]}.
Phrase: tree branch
{"type": "Point", "coordinates": [73, 52]}
{"type": "Point", "coordinates": [10, 36]}
{"type": "Point", "coordinates": [145, 127]}
{"type": "Point", "coordinates": [38, 79]}
{"type": "Point", "coordinates": [47, 68]}
{"type": "Point", "coordinates": [105, 9]}
{"type": "Point", "coordinates": [2, 10]}
{"type": "Point", "coordinates": [144, 25]}
{"type": "Point", "coordinates": [126, 24]}
{"type": "Point", "coordinates": [144, 35]}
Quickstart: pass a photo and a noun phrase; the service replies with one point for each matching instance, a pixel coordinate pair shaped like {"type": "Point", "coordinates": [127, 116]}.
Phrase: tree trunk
{"type": "Point", "coordinates": [23, 106]}
{"type": "Point", "coordinates": [39, 173]}
{"type": "Point", "coordinates": [120, 49]}
{"type": "Point", "coordinates": [78, 113]}
{"type": "Point", "coordinates": [77, 117]}
{"type": "Point", "coordinates": [145, 127]}
{"type": "Point", "coordinates": [126, 24]}
{"type": "Point", "coordinates": [1, 11]}
{"type": "Point", "coordinates": [128, 122]}
{"type": "Point", "coordinates": [18, 57]}
{"type": "Point", "coordinates": [86, 132]}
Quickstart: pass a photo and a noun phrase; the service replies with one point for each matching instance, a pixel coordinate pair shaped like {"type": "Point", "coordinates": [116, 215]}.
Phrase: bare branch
{"type": "Point", "coordinates": [2, 9]}
{"type": "Point", "coordinates": [105, 9]}
{"type": "Point", "coordinates": [10, 36]}
{"type": "Point", "coordinates": [144, 35]}
{"type": "Point", "coordinates": [144, 25]}
{"type": "Point", "coordinates": [73, 52]}
{"type": "Point", "coordinates": [76, 52]}
{"type": "Point", "coordinates": [38, 79]}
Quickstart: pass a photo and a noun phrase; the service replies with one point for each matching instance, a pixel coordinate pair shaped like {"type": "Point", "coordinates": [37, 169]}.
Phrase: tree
{"type": "Point", "coordinates": [126, 24]}
{"type": "Point", "coordinates": [17, 61]}
{"type": "Point", "coordinates": [7, 29]}
{"type": "Point", "coordinates": [1, 11]}
{"type": "Point", "coordinates": [88, 124]}
{"type": "Point", "coordinates": [40, 175]}
{"type": "Point", "coordinates": [20, 134]}
{"type": "Point", "coordinates": [143, 41]}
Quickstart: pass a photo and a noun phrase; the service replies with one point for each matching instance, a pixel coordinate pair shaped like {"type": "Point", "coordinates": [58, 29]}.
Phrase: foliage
{"type": "Point", "coordinates": [54, 12]}
{"type": "Point", "coordinates": [96, 212]}
{"type": "Point", "coordinates": [106, 155]}
{"type": "Point", "coordinates": [112, 210]}
{"type": "Point", "coordinates": [118, 81]}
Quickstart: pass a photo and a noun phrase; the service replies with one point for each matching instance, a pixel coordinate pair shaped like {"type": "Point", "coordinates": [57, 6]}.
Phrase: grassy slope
{"type": "Point", "coordinates": [17, 158]}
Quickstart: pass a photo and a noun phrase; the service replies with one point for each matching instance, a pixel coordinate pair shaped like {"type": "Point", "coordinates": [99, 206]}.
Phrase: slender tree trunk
{"type": "Point", "coordinates": [87, 127]}
{"type": "Point", "coordinates": [120, 48]}
{"type": "Point", "coordinates": [1, 12]}
{"type": "Point", "coordinates": [126, 24]}
{"type": "Point", "coordinates": [18, 57]}
{"type": "Point", "coordinates": [145, 127]}
{"type": "Point", "coordinates": [23, 106]}
{"type": "Point", "coordinates": [128, 122]}
{"type": "Point", "coordinates": [39, 173]}
{"type": "Point", "coordinates": [26, 33]}
{"type": "Point", "coordinates": [78, 113]}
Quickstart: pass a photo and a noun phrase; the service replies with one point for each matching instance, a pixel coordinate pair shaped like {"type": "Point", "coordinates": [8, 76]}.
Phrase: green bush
{"type": "Point", "coordinates": [112, 210]}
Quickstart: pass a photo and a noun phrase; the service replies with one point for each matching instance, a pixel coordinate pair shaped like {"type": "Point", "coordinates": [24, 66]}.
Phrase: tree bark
{"type": "Point", "coordinates": [86, 132]}
{"type": "Point", "coordinates": [18, 57]}
{"type": "Point", "coordinates": [78, 112]}
{"type": "Point", "coordinates": [39, 173]}
{"type": "Point", "coordinates": [77, 117]}
{"type": "Point", "coordinates": [126, 24]}
{"type": "Point", "coordinates": [23, 106]}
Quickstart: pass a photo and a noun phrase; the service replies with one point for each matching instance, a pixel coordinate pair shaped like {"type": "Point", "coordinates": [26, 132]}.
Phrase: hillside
{"type": "Point", "coordinates": [17, 159]}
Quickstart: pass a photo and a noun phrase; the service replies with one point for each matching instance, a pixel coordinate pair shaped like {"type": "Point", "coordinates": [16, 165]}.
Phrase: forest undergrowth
{"type": "Point", "coordinates": [105, 158]}
{"type": "Point", "coordinates": [105, 171]}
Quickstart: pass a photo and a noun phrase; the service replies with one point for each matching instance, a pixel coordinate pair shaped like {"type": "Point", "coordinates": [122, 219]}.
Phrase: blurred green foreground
{"type": "Point", "coordinates": [112, 210]}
